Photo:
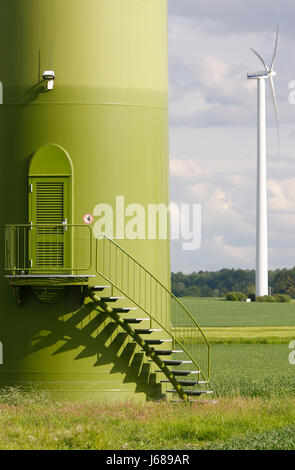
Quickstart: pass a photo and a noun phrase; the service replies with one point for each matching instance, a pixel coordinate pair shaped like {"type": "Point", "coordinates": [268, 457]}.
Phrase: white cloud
{"type": "Point", "coordinates": [187, 169]}
{"type": "Point", "coordinates": [282, 195]}
{"type": "Point", "coordinates": [215, 71]}
{"type": "Point", "coordinates": [187, 104]}
{"type": "Point", "coordinates": [238, 15]}
{"type": "Point", "coordinates": [238, 255]}
{"type": "Point", "coordinates": [222, 200]}
{"type": "Point", "coordinates": [201, 191]}
{"type": "Point", "coordinates": [213, 131]}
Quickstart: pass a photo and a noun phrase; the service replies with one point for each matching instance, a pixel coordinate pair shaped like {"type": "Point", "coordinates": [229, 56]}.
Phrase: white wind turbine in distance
{"type": "Point", "coordinates": [261, 208]}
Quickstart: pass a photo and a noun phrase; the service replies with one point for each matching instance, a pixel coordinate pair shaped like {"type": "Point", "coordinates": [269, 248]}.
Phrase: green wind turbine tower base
{"type": "Point", "coordinates": [83, 119]}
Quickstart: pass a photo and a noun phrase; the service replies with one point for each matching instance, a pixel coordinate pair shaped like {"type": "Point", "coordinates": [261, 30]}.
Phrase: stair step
{"type": "Point", "coordinates": [111, 299]}
{"type": "Point", "coordinates": [146, 331]}
{"type": "Point", "coordinates": [166, 352]}
{"type": "Point", "coordinates": [123, 309]}
{"type": "Point", "coordinates": [97, 288]}
{"type": "Point", "coordinates": [194, 392]}
{"type": "Point", "coordinates": [158, 341]}
{"type": "Point", "coordinates": [187, 383]}
{"type": "Point", "coordinates": [171, 362]}
{"type": "Point", "coordinates": [135, 320]}
{"type": "Point", "coordinates": [184, 372]}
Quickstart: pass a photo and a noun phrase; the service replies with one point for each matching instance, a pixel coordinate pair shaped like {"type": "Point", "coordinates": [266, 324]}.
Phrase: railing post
{"type": "Point", "coordinates": [184, 330]}
{"type": "Point", "coordinates": [21, 243]}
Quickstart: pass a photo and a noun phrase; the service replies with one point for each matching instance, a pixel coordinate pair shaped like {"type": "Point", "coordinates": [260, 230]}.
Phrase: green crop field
{"type": "Point", "coordinates": [253, 381]}
{"type": "Point", "coordinates": [219, 312]}
{"type": "Point", "coordinates": [250, 335]}
{"type": "Point", "coordinates": [252, 370]}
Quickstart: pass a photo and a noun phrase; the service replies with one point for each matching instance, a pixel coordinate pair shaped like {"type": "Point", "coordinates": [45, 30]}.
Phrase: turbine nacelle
{"type": "Point", "coordinates": [264, 74]}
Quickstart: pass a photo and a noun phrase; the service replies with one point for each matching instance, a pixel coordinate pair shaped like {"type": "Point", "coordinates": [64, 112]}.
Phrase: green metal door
{"type": "Point", "coordinates": [49, 214]}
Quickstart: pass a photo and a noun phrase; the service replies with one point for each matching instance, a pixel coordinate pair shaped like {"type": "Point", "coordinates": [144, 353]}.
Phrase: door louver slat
{"type": "Point", "coordinates": [50, 208]}
{"type": "Point", "coordinates": [50, 254]}
{"type": "Point", "coordinates": [50, 211]}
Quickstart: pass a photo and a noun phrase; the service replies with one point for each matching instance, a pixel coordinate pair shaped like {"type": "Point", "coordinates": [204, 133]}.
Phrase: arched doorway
{"type": "Point", "coordinates": [50, 209]}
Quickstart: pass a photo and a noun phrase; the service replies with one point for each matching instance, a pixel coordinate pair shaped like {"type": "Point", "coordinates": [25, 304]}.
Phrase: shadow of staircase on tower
{"type": "Point", "coordinates": [101, 338]}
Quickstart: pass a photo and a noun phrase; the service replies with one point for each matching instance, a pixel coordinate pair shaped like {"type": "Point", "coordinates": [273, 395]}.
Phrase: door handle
{"type": "Point", "coordinates": [65, 223]}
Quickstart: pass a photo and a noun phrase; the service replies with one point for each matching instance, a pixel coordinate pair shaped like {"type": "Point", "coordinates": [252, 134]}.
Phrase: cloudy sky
{"type": "Point", "coordinates": [213, 127]}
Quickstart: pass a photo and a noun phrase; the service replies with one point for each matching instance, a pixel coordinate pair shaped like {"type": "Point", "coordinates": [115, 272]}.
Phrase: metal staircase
{"type": "Point", "coordinates": [182, 387]}
{"type": "Point", "coordinates": [164, 329]}
{"type": "Point", "coordinates": [180, 351]}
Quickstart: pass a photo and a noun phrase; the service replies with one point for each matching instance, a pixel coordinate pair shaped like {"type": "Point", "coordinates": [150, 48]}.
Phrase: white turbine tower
{"type": "Point", "coordinates": [261, 208]}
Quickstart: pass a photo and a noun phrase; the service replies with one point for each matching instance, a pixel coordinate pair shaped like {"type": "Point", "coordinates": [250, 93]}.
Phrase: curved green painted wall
{"type": "Point", "coordinates": [108, 110]}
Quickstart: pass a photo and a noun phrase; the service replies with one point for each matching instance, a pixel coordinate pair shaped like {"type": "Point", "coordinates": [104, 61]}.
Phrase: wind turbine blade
{"type": "Point", "coordinates": [260, 58]}
{"type": "Point", "coordinates": [275, 50]}
{"type": "Point", "coordinates": [273, 92]}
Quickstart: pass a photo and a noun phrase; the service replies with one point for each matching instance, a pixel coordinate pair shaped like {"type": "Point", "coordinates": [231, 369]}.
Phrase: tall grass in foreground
{"type": "Point", "coordinates": [253, 383]}
{"type": "Point", "coordinates": [29, 422]}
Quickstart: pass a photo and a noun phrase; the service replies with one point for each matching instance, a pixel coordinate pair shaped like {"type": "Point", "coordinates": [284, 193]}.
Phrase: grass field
{"type": "Point", "coordinates": [253, 381]}
{"type": "Point", "coordinates": [36, 422]}
{"type": "Point", "coordinates": [252, 370]}
{"type": "Point", "coordinates": [250, 335]}
{"type": "Point", "coordinates": [254, 386]}
{"type": "Point", "coordinates": [219, 312]}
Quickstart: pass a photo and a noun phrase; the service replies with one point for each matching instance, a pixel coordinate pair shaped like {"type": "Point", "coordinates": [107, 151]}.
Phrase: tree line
{"type": "Point", "coordinates": [219, 283]}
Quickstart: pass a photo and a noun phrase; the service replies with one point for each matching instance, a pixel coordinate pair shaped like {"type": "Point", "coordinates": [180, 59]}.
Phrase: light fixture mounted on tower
{"type": "Point", "coordinates": [49, 76]}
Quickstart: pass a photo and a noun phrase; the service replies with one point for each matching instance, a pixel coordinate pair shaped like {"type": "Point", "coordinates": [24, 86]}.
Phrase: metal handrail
{"type": "Point", "coordinates": [19, 246]}
{"type": "Point", "coordinates": [184, 336]}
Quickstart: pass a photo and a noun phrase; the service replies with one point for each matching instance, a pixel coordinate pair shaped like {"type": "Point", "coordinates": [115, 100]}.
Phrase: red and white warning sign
{"type": "Point", "coordinates": [88, 219]}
